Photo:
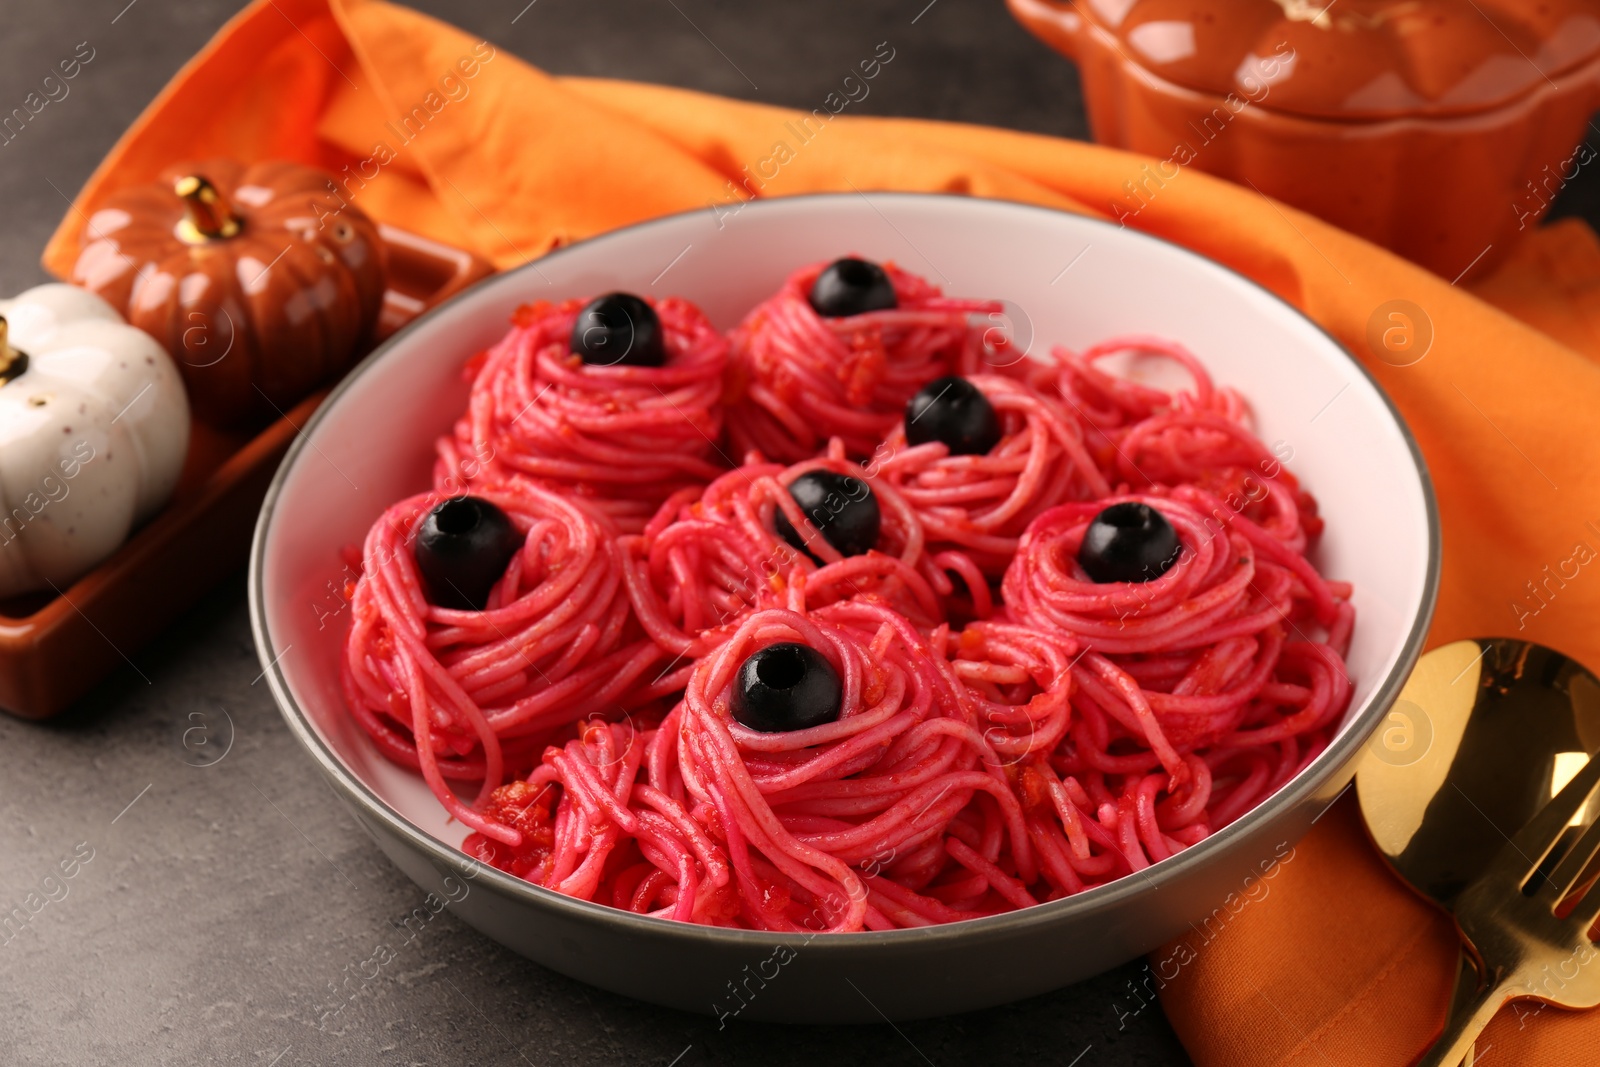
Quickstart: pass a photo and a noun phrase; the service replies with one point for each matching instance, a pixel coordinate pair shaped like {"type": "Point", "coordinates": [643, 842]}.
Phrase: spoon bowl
{"type": "Point", "coordinates": [1483, 735]}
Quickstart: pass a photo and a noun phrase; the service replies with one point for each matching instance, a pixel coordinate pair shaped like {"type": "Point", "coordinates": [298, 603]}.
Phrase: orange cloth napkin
{"type": "Point", "coordinates": [448, 136]}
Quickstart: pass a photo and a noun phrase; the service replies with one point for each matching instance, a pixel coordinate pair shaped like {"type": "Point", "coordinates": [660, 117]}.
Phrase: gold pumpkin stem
{"type": "Point", "coordinates": [12, 361]}
{"type": "Point", "coordinates": [207, 214]}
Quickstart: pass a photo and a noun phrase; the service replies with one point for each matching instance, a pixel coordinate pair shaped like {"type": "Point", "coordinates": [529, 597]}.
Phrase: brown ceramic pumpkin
{"type": "Point", "coordinates": [254, 277]}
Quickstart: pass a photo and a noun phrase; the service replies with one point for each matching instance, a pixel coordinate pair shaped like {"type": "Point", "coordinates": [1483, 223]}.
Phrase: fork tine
{"type": "Point", "coordinates": [1535, 840]}
{"type": "Point", "coordinates": [1572, 865]}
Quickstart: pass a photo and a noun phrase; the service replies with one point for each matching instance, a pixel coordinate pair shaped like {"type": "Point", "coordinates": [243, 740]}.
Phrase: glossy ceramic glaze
{"type": "Point", "coordinates": [259, 280]}
{"type": "Point", "coordinates": [1440, 129]}
{"type": "Point", "coordinates": [372, 444]}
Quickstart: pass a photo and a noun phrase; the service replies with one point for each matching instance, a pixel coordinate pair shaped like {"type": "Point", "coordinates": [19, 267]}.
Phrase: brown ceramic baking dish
{"type": "Point", "coordinates": [53, 649]}
{"type": "Point", "coordinates": [1440, 129]}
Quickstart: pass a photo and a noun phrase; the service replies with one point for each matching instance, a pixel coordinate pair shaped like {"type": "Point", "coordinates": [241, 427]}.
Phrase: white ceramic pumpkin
{"type": "Point", "coordinates": [94, 426]}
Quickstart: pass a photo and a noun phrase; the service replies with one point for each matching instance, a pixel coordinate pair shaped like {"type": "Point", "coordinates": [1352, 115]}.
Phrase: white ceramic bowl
{"type": "Point", "coordinates": [1069, 279]}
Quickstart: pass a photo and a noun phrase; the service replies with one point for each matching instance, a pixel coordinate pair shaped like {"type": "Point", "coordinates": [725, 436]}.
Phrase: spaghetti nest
{"type": "Point", "coordinates": [1209, 685]}
{"type": "Point", "coordinates": [466, 695]}
{"type": "Point", "coordinates": [623, 438]}
{"type": "Point", "coordinates": [900, 813]}
{"type": "Point", "coordinates": [802, 378]}
{"type": "Point", "coordinates": [973, 508]}
{"type": "Point", "coordinates": [708, 558]}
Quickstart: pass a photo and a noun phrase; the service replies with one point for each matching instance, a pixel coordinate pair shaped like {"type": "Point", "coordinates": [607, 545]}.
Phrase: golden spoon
{"type": "Point", "coordinates": [1484, 734]}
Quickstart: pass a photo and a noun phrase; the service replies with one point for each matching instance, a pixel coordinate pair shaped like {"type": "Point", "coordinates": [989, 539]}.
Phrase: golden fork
{"type": "Point", "coordinates": [1510, 916]}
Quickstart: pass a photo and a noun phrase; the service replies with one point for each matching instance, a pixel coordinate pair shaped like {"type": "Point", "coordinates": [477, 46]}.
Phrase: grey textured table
{"type": "Point", "coordinates": [221, 909]}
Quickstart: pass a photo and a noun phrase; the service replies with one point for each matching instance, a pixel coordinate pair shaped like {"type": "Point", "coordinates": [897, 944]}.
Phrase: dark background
{"type": "Point", "coordinates": [221, 910]}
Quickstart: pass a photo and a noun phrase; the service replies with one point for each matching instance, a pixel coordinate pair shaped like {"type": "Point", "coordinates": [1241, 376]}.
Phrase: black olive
{"type": "Point", "coordinates": [462, 548]}
{"type": "Point", "coordinates": [851, 287]}
{"type": "Point", "coordinates": [786, 686]}
{"type": "Point", "coordinates": [1128, 542]}
{"type": "Point", "coordinates": [952, 410]}
{"type": "Point", "coordinates": [619, 329]}
{"type": "Point", "coordinates": [843, 509]}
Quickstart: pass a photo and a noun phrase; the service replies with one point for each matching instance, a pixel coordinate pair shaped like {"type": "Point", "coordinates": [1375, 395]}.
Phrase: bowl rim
{"type": "Point", "coordinates": [1340, 753]}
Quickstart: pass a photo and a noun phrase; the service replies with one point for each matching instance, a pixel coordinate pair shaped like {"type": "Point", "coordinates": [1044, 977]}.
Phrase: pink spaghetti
{"type": "Point", "coordinates": [706, 560]}
{"type": "Point", "coordinates": [1009, 731]}
{"type": "Point", "coordinates": [802, 378]}
{"type": "Point", "coordinates": [1204, 680]}
{"type": "Point", "coordinates": [973, 508]}
{"type": "Point", "coordinates": [624, 437]}
{"type": "Point", "coordinates": [898, 814]}
{"type": "Point", "coordinates": [466, 694]}
{"type": "Point", "coordinates": [1146, 436]}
